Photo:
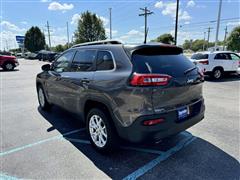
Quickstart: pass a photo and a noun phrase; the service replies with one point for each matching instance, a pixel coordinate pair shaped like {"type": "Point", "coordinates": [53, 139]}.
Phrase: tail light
{"type": "Point", "coordinates": [149, 79]}
{"type": "Point", "coordinates": [152, 122]}
{"type": "Point", "coordinates": [204, 61]}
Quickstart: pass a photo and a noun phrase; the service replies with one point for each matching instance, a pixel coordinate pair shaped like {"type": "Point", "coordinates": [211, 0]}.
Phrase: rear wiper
{"type": "Point", "coordinates": [189, 70]}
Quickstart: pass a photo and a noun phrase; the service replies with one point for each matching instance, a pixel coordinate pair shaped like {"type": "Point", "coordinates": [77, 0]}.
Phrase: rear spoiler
{"type": "Point", "coordinates": [160, 49]}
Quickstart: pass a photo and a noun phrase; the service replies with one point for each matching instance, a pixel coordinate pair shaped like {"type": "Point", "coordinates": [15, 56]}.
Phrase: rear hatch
{"type": "Point", "coordinates": [175, 82]}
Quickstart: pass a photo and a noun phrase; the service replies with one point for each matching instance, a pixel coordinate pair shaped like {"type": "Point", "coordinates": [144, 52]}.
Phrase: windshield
{"type": "Point", "coordinates": [173, 65]}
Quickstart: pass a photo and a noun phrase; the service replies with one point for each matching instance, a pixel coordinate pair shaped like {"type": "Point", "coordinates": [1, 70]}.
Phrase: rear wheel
{"type": "Point", "coordinates": [101, 132]}
{"type": "Point", "coordinates": [8, 66]}
{"type": "Point", "coordinates": [217, 73]}
{"type": "Point", "coordinates": [43, 103]}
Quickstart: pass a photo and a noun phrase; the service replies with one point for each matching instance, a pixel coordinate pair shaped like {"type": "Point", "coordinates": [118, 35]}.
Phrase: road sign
{"type": "Point", "coordinates": [20, 39]}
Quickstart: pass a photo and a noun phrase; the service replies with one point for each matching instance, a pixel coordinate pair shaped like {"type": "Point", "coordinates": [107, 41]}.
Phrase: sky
{"type": "Point", "coordinates": [195, 16]}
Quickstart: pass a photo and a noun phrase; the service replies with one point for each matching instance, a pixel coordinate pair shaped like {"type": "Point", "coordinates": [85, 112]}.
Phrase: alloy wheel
{"type": "Point", "coordinates": [98, 131]}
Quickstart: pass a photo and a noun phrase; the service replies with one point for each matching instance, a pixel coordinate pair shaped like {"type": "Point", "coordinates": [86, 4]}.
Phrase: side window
{"type": "Point", "coordinates": [84, 60]}
{"type": "Point", "coordinates": [62, 63]}
{"type": "Point", "coordinates": [222, 56]}
{"type": "Point", "coordinates": [104, 61]}
{"type": "Point", "coordinates": [234, 57]}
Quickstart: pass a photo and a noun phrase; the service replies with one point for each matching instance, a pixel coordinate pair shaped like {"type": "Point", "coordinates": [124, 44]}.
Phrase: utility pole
{"type": "Point", "coordinates": [49, 40]}
{"type": "Point", "coordinates": [176, 23]}
{"type": "Point", "coordinates": [67, 36]}
{"type": "Point", "coordinates": [218, 22]}
{"type": "Point", "coordinates": [225, 37]}
{"type": "Point", "coordinates": [110, 23]}
{"type": "Point", "coordinates": [145, 14]}
{"type": "Point", "coordinates": [209, 30]}
{"type": "Point", "coordinates": [204, 41]}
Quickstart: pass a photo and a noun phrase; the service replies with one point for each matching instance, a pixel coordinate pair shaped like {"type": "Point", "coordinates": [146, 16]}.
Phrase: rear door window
{"type": "Point", "coordinates": [173, 65]}
{"type": "Point", "coordinates": [104, 61]}
{"type": "Point", "coordinates": [84, 60]}
{"type": "Point", "coordinates": [199, 56]}
{"type": "Point", "coordinates": [222, 56]}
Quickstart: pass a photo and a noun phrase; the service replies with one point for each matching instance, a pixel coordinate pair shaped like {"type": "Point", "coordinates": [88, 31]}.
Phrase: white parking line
{"type": "Point", "coordinates": [39, 142]}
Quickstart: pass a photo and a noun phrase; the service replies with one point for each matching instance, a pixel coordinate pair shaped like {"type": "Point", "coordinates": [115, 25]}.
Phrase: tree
{"type": "Point", "coordinates": [165, 38]}
{"type": "Point", "coordinates": [59, 48]}
{"type": "Point", "coordinates": [90, 28]}
{"type": "Point", "coordinates": [34, 39]}
{"type": "Point", "coordinates": [233, 41]}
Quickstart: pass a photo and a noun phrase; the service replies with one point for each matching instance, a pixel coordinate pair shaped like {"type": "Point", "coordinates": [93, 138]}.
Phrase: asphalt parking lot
{"type": "Point", "coordinates": [41, 145]}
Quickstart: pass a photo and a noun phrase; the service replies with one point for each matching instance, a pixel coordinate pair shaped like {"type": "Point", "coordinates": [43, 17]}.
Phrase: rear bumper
{"type": "Point", "coordinates": [137, 132]}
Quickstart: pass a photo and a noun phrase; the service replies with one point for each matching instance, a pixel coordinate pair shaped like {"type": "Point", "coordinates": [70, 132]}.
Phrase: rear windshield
{"type": "Point", "coordinates": [173, 65]}
{"type": "Point", "coordinates": [199, 56]}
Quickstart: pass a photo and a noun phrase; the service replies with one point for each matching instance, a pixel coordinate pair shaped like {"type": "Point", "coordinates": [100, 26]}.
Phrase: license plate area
{"type": "Point", "coordinates": [183, 113]}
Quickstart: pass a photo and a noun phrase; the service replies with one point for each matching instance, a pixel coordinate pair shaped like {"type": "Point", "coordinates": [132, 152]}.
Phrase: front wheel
{"type": "Point", "coordinates": [43, 103]}
{"type": "Point", "coordinates": [101, 131]}
{"type": "Point", "coordinates": [8, 66]}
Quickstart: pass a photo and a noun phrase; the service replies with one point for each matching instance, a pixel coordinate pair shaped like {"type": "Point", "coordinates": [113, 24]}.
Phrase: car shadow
{"type": "Point", "coordinates": [199, 160]}
{"type": "Point", "coordinates": [226, 78]}
{"type": "Point", "coordinates": [1, 70]}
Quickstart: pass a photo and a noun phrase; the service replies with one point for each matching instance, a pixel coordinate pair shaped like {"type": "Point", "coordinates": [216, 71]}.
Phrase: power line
{"type": "Point", "coordinates": [145, 14]}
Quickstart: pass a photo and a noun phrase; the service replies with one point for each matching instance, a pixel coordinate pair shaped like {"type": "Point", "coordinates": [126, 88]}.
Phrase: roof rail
{"type": "Point", "coordinates": [97, 43]}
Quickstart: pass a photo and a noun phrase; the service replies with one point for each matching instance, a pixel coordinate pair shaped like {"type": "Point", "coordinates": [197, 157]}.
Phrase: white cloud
{"type": "Point", "coordinates": [75, 19]}
{"type": "Point", "coordinates": [133, 36]}
{"type": "Point", "coordinates": [10, 26]}
{"type": "Point", "coordinates": [169, 9]}
{"type": "Point", "coordinates": [184, 16]}
{"type": "Point", "coordinates": [104, 20]}
{"type": "Point", "coordinates": [56, 6]}
{"type": "Point", "coordinates": [159, 4]}
{"type": "Point", "coordinates": [233, 23]}
{"type": "Point", "coordinates": [45, 1]}
{"type": "Point", "coordinates": [114, 32]}
{"type": "Point", "coordinates": [191, 3]}
{"type": "Point", "coordinates": [24, 22]}
{"type": "Point", "coordinates": [8, 40]}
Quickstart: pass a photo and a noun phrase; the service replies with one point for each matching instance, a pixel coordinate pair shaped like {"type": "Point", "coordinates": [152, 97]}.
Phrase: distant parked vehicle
{"type": "Point", "coordinates": [31, 56]}
{"type": "Point", "coordinates": [217, 63]}
{"type": "Point", "coordinates": [46, 55]}
{"type": "Point", "coordinates": [8, 63]}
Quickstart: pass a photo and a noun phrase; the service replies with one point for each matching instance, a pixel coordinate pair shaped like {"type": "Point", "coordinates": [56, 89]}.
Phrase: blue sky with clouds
{"type": "Point", "coordinates": [194, 17]}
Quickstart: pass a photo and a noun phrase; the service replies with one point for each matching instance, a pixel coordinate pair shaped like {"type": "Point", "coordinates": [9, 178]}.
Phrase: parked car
{"type": "Point", "coordinates": [217, 63]}
{"type": "Point", "coordinates": [8, 63]}
{"type": "Point", "coordinates": [31, 56]}
{"type": "Point", "coordinates": [139, 93]}
{"type": "Point", "coordinates": [44, 55]}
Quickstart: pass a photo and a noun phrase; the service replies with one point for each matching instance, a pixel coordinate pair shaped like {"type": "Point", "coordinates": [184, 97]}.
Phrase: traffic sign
{"type": "Point", "coordinates": [20, 39]}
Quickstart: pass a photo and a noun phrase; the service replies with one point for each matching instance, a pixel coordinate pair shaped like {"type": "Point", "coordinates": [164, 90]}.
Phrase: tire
{"type": "Point", "coordinates": [98, 124]}
{"type": "Point", "coordinates": [8, 66]}
{"type": "Point", "coordinates": [217, 73]}
{"type": "Point", "coordinates": [43, 103]}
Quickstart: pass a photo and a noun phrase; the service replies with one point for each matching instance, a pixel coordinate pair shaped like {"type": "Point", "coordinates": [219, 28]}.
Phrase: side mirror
{"type": "Point", "coordinates": [46, 67]}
